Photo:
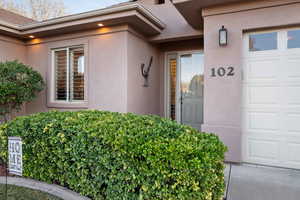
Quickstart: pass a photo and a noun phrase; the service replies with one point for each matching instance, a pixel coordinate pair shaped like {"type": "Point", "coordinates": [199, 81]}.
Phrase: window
{"type": "Point", "coordinates": [293, 39]}
{"type": "Point", "coordinates": [69, 69]}
{"type": "Point", "coordinates": [263, 42]}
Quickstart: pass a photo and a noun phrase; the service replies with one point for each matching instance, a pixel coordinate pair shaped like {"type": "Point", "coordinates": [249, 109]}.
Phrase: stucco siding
{"type": "Point", "coordinates": [142, 100]}
{"type": "Point", "coordinates": [37, 56]}
{"type": "Point", "coordinates": [106, 68]}
{"type": "Point", "coordinates": [12, 49]}
{"type": "Point", "coordinates": [107, 82]}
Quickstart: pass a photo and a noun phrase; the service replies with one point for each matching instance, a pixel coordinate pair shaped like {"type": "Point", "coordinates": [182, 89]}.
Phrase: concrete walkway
{"type": "Point", "coordinates": [44, 187]}
{"type": "Point", "coordinates": [251, 182]}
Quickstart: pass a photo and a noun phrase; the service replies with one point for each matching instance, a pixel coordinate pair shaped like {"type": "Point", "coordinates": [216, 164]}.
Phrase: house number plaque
{"type": "Point", "coordinates": [222, 71]}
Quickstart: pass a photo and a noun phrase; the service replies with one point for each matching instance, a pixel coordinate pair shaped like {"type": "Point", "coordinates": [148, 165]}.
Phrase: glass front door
{"type": "Point", "coordinates": [186, 84]}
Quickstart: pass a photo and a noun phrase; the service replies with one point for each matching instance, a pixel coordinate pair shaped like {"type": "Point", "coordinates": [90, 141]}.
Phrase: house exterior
{"type": "Point", "coordinates": [247, 90]}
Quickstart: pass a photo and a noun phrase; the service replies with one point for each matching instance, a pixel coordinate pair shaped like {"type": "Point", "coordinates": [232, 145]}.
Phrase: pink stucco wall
{"type": "Point", "coordinates": [114, 56]}
{"type": "Point", "coordinates": [106, 68]}
{"type": "Point", "coordinates": [12, 49]}
{"type": "Point", "coordinates": [222, 99]}
{"type": "Point", "coordinates": [114, 79]}
{"type": "Point", "coordinates": [37, 58]}
{"type": "Point", "coordinates": [107, 82]}
{"type": "Point", "coordinates": [140, 99]}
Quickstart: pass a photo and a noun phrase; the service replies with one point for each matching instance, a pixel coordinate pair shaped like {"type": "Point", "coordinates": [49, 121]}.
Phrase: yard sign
{"type": "Point", "coordinates": [15, 156]}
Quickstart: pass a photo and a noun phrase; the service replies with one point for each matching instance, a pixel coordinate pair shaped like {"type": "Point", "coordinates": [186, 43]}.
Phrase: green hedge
{"type": "Point", "coordinates": [112, 156]}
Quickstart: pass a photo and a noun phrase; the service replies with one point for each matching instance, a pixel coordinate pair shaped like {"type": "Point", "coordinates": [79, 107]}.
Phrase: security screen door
{"type": "Point", "coordinates": [185, 96]}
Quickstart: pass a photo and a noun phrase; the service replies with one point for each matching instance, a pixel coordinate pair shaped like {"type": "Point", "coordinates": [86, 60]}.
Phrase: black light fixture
{"type": "Point", "coordinates": [223, 36]}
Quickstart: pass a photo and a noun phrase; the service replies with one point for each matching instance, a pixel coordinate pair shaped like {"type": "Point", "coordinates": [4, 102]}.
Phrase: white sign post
{"type": "Point", "coordinates": [15, 163]}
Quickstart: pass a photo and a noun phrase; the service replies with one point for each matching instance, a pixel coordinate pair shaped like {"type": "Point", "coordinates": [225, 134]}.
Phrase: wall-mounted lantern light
{"type": "Point", "coordinates": [223, 36]}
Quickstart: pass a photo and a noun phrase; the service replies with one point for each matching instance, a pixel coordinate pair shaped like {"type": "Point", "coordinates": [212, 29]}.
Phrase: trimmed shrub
{"type": "Point", "coordinates": [19, 84]}
{"type": "Point", "coordinates": [113, 156]}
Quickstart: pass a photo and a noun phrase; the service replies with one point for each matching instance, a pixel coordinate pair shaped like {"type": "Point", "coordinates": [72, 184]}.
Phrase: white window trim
{"type": "Point", "coordinates": [51, 100]}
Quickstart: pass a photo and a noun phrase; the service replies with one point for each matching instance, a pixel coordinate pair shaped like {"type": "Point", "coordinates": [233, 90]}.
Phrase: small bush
{"type": "Point", "coordinates": [19, 84]}
{"type": "Point", "coordinates": [112, 156]}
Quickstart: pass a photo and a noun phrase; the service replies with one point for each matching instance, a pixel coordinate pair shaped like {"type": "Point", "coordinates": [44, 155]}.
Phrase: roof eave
{"type": "Point", "coordinates": [134, 14]}
{"type": "Point", "coordinates": [191, 10]}
{"type": "Point", "coordinates": [103, 12]}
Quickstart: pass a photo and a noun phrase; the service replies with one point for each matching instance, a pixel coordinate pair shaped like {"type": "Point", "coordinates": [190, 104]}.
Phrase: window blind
{"type": "Point", "coordinates": [77, 73]}
{"type": "Point", "coordinates": [61, 74]}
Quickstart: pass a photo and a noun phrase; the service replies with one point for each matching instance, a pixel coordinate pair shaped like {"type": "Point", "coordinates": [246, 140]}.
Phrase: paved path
{"type": "Point", "coordinates": [48, 188]}
{"type": "Point", "coordinates": [250, 182]}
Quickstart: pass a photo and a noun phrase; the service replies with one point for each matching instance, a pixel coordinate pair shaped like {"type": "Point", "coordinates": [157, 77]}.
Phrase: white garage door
{"type": "Point", "coordinates": [271, 98]}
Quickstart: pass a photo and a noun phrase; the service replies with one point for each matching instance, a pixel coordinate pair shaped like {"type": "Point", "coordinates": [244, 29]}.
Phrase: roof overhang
{"type": "Point", "coordinates": [191, 9]}
{"type": "Point", "coordinates": [132, 14]}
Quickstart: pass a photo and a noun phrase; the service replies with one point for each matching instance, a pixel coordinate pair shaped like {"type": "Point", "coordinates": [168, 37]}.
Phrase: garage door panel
{"type": "Point", "coordinates": [292, 68]}
{"type": "Point", "coordinates": [263, 95]}
{"type": "Point", "coordinates": [292, 95]}
{"type": "Point", "coordinates": [260, 55]}
{"type": "Point", "coordinates": [262, 69]}
{"type": "Point", "coordinates": [263, 149]}
{"type": "Point", "coordinates": [293, 123]}
{"type": "Point", "coordinates": [263, 121]}
{"type": "Point", "coordinates": [294, 153]}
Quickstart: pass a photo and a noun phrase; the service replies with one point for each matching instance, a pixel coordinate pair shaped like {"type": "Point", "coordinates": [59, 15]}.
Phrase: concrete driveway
{"type": "Point", "coordinates": [251, 182]}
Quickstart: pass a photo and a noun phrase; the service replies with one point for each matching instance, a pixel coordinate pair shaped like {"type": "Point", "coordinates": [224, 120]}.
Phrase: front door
{"type": "Point", "coordinates": [185, 88]}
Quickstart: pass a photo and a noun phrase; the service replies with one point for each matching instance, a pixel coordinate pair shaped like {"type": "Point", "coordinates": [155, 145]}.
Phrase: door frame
{"type": "Point", "coordinates": [176, 54]}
